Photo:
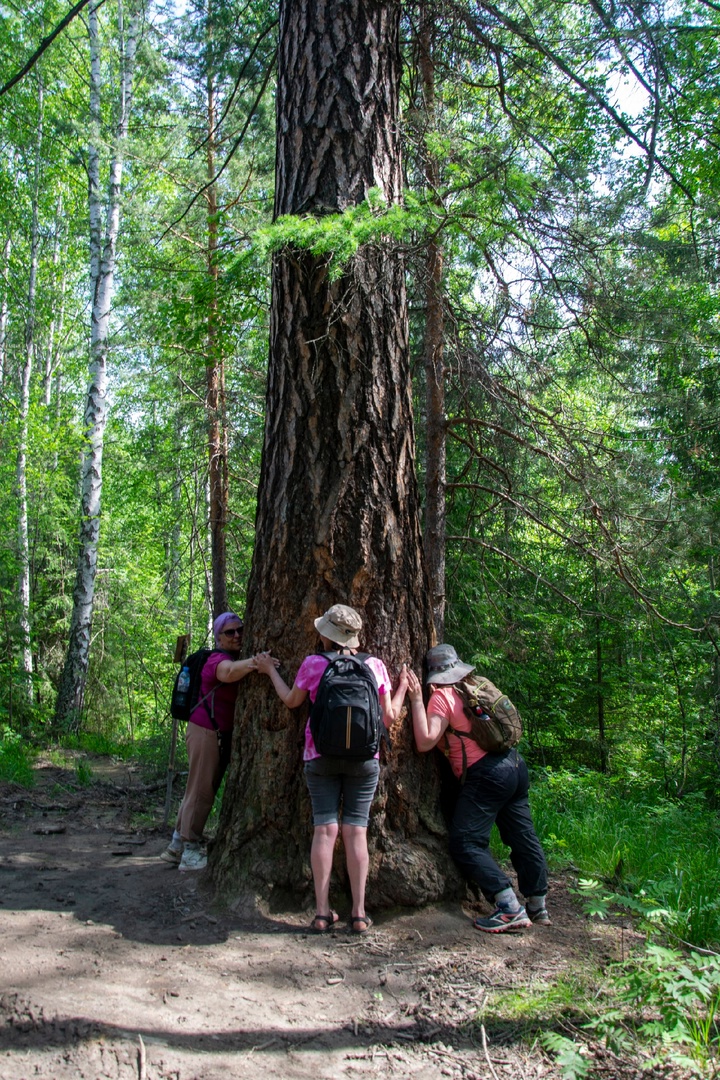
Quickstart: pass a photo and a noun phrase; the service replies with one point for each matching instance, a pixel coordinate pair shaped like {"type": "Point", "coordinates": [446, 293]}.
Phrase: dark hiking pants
{"type": "Point", "coordinates": [496, 790]}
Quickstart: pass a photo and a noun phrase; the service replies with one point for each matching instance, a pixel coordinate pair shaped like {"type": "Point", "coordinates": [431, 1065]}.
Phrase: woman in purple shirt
{"type": "Point", "coordinates": [208, 737]}
{"type": "Point", "coordinates": [331, 780]}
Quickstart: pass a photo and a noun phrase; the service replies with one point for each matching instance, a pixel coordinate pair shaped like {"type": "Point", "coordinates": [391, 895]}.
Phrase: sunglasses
{"type": "Point", "coordinates": [233, 630]}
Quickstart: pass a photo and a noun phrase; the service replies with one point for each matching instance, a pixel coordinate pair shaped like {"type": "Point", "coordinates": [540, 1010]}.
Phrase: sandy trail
{"type": "Point", "coordinates": [116, 966]}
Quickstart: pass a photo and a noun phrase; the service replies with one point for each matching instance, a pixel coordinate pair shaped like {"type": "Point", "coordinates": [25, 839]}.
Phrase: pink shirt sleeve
{"type": "Point", "coordinates": [380, 674]}
{"type": "Point", "coordinates": [310, 673]}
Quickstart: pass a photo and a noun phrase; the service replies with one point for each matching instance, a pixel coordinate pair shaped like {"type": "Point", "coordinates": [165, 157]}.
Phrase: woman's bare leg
{"type": "Point", "coordinates": [321, 857]}
{"type": "Point", "coordinates": [358, 861]}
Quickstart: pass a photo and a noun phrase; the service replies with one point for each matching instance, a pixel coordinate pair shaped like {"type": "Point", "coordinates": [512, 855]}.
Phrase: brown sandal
{"type": "Point", "coordinates": [360, 924]}
{"type": "Point", "coordinates": [322, 923]}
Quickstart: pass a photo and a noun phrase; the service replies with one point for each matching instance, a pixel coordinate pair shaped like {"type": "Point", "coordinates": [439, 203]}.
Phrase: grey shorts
{"type": "Point", "coordinates": [331, 780]}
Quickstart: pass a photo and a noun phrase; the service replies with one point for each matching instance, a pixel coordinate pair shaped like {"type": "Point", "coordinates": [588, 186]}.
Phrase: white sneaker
{"type": "Point", "coordinates": [193, 858]}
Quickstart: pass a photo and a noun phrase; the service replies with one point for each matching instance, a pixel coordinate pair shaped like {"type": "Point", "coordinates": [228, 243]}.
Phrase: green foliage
{"type": "Point", "coordinates": [664, 1001]}
{"type": "Point", "coordinates": [661, 1003]}
{"type": "Point", "coordinates": [573, 1063]}
{"type": "Point", "coordinates": [16, 759]}
{"type": "Point", "coordinates": [637, 851]}
{"type": "Point", "coordinates": [338, 237]}
{"type": "Point", "coordinates": [682, 990]}
{"type": "Point", "coordinates": [83, 772]}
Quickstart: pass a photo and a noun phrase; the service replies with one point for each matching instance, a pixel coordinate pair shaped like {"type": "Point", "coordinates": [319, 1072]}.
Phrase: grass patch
{"type": "Point", "coordinates": [16, 759]}
{"type": "Point", "coordinates": [661, 1005]}
{"type": "Point", "coordinates": [542, 1004]}
{"type": "Point", "coordinates": [663, 854]}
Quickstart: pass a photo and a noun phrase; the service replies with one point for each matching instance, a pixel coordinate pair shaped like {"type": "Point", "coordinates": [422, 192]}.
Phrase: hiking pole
{"type": "Point", "coordinates": [170, 772]}
{"type": "Point", "coordinates": [181, 647]}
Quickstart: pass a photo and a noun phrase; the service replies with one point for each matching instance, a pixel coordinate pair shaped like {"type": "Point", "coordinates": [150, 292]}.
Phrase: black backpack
{"type": "Point", "coordinates": [346, 719]}
{"type": "Point", "coordinates": [186, 689]}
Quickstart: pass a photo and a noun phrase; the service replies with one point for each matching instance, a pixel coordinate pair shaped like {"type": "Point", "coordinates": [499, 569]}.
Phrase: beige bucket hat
{"type": "Point", "coordinates": [341, 624]}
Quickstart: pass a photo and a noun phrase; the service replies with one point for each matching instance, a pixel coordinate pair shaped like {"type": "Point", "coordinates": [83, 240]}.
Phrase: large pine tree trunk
{"type": "Point", "coordinates": [338, 516]}
{"type": "Point", "coordinates": [434, 355]}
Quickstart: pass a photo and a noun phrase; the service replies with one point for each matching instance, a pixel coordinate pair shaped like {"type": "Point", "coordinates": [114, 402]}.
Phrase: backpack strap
{"type": "Point", "coordinates": [461, 735]}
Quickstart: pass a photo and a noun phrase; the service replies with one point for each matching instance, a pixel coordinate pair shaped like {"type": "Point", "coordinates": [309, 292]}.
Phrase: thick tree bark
{"type": "Point", "coordinates": [71, 692]}
{"type": "Point", "coordinates": [433, 357]}
{"type": "Point", "coordinates": [338, 516]}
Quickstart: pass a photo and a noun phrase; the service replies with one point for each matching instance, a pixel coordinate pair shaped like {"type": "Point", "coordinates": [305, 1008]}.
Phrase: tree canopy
{"type": "Point", "coordinates": [557, 221]}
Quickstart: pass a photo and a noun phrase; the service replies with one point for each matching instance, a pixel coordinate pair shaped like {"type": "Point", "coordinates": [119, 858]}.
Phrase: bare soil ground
{"type": "Point", "coordinates": [115, 966]}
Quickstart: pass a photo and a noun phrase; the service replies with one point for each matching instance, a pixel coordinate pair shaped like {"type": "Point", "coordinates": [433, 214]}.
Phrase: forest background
{"type": "Point", "coordinates": [560, 235]}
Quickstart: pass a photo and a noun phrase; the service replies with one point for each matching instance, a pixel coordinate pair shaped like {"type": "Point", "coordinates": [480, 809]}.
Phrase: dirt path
{"type": "Point", "coordinates": [115, 966]}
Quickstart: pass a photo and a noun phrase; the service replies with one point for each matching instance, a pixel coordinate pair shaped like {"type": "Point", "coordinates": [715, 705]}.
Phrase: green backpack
{"type": "Point", "coordinates": [495, 723]}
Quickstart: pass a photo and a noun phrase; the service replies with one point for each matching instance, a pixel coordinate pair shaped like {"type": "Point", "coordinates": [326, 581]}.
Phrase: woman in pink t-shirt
{"type": "Point", "coordinates": [334, 780]}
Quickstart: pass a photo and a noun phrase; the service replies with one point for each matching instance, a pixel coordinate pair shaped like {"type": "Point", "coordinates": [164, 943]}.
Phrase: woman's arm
{"type": "Point", "coordinates": [392, 704]}
{"type": "Point", "coordinates": [267, 665]}
{"type": "Point", "coordinates": [428, 730]}
{"type": "Point", "coordinates": [234, 670]}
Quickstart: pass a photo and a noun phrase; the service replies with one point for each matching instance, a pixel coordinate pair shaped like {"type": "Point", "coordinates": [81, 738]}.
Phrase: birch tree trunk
{"type": "Point", "coordinates": [56, 322]}
{"type": "Point", "coordinates": [102, 279]}
{"type": "Point", "coordinates": [24, 412]}
{"type": "Point", "coordinates": [338, 514]}
{"type": "Point", "coordinates": [4, 308]}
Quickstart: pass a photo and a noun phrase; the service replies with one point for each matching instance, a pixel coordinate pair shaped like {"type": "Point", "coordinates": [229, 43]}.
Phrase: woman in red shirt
{"type": "Point", "coordinates": [495, 791]}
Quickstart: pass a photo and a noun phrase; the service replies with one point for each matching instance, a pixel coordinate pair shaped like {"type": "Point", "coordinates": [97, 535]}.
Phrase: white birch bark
{"type": "Point", "coordinates": [24, 413]}
{"type": "Point", "coordinates": [4, 308]}
{"type": "Point", "coordinates": [102, 279]}
{"type": "Point", "coordinates": [56, 322]}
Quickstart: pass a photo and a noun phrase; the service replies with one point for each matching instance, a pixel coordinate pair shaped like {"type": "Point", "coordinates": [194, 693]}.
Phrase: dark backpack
{"type": "Point", "coordinates": [186, 689]}
{"type": "Point", "coordinates": [494, 721]}
{"type": "Point", "coordinates": [346, 719]}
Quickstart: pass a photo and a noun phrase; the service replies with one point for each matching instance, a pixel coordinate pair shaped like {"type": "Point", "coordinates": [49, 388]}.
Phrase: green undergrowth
{"type": "Point", "coordinates": [634, 854]}
{"type": "Point", "coordinates": [77, 753]}
{"type": "Point", "coordinates": [150, 751]}
{"type": "Point", "coordinates": [657, 1007]}
{"type": "Point", "coordinates": [632, 850]}
{"type": "Point", "coordinates": [16, 759]}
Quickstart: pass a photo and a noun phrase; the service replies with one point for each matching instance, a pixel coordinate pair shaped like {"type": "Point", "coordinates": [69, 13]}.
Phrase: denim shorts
{"type": "Point", "coordinates": [331, 779]}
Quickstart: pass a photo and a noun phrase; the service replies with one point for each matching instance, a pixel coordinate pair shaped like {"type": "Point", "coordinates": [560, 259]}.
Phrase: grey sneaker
{"type": "Point", "coordinates": [502, 921]}
{"type": "Point", "coordinates": [193, 858]}
{"type": "Point", "coordinates": [540, 917]}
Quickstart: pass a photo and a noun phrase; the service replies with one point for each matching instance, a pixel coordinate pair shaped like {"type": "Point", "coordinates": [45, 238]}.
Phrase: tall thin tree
{"type": "Point", "coordinates": [215, 366]}
{"type": "Point", "coordinates": [24, 412]}
{"type": "Point", "coordinates": [103, 253]}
